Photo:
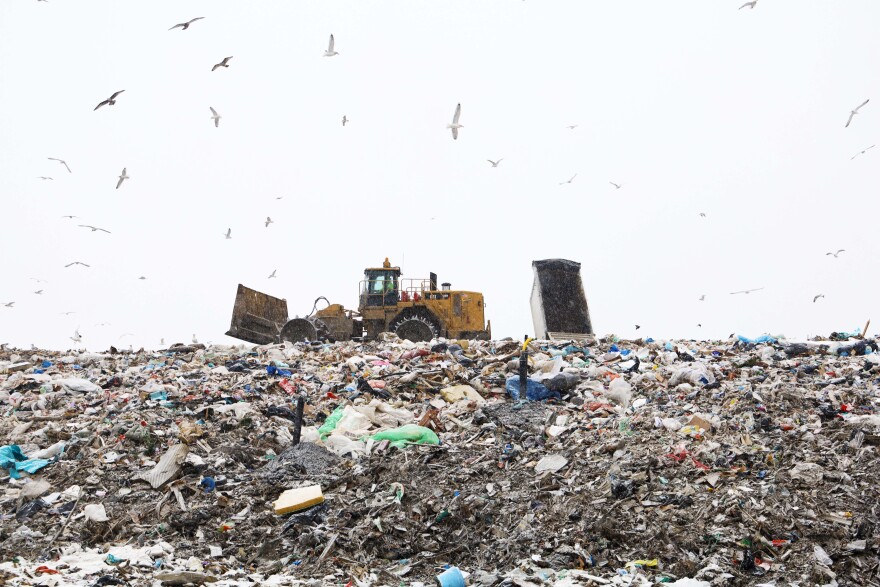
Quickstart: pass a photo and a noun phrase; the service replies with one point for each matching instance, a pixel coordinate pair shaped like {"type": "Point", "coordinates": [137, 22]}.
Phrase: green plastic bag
{"type": "Point", "coordinates": [329, 424]}
{"type": "Point", "coordinates": [405, 435]}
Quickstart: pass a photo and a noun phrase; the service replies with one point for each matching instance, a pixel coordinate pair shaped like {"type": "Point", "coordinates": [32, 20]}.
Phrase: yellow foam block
{"type": "Point", "coordinates": [301, 498]}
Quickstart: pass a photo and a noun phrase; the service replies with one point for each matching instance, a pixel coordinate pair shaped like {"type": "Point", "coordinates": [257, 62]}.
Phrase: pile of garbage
{"type": "Point", "coordinates": [612, 462]}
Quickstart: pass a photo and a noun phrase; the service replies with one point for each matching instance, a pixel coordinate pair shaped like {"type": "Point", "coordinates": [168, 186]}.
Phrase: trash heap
{"type": "Point", "coordinates": [737, 462]}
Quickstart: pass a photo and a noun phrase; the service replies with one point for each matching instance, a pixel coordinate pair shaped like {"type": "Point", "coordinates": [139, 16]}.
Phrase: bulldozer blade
{"type": "Point", "coordinates": [257, 317]}
{"type": "Point", "coordinates": [299, 330]}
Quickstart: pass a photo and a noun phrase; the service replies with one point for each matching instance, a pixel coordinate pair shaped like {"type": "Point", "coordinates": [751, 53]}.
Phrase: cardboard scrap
{"type": "Point", "coordinates": [167, 467]}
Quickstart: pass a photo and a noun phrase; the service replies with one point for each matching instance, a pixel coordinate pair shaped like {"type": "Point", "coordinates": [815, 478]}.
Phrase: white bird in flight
{"type": "Point", "coordinates": [46, 178]}
{"type": "Point", "coordinates": [123, 177]}
{"type": "Point", "coordinates": [268, 221]}
{"type": "Point", "coordinates": [854, 112]}
{"type": "Point", "coordinates": [9, 304]}
{"type": "Point", "coordinates": [455, 125]}
{"type": "Point", "coordinates": [837, 253]}
{"type": "Point", "coordinates": [142, 278]}
{"type": "Point", "coordinates": [571, 126]}
{"type": "Point", "coordinates": [745, 291]}
{"type": "Point", "coordinates": [331, 48]}
{"type": "Point", "coordinates": [224, 63]}
{"type": "Point", "coordinates": [817, 296]}
{"type": "Point", "coordinates": [617, 186]}
{"type": "Point", "coordinates": [751, 4]}
{"type": "Point", "coordinates": [77, 263]}
{"type": "Point", "coordinates": [185, 25]}
{"type": "Point", "coordinates": [569, 181]}
{"type": "Point", "coordinates": [495, 163]}
{"type": "Point", "coordinates": [344, 120]}
{"type": "Point", "coordinates": [702, 214]}
{"type": "Point", "coordinates": [39, 292]}
{"type": "Point", "coordinates": [77, 337]}
{"type": "Point", "coordinates": [703, 298]}
{"type": "Point", "coordinates": [862, 152]}
{"type": "Point", "coordinates": [273, 274]}
{"type": "Point", "coordinates": [228, 233]}
{"type": "Point", "coordinates": [109, 101]}
{"type": "Point", "coordinates": [195, 340]}
{"type": "Point", "coordinates": [215, 117]}
{"type": "Point", "coordinates": [94, 228]}
{"type": "Point", "coordinates": [60, 161]}
{"type": "Point", "coordinates": [67, 313]}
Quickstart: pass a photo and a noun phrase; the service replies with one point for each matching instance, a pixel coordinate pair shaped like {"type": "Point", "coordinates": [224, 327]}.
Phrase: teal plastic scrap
{"type": "Point", "coordinates": [760, 339]}
{"type": "Point", "coordinates": [15, 461]}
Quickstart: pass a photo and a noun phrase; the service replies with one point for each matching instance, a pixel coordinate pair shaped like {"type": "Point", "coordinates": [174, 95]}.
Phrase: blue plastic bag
{"type": "Point", "coordinates": [535, 391]}
{"type": "Point", "coordinates": [13, 460]}
{"type": "Point", "coordinates": [275, 371]}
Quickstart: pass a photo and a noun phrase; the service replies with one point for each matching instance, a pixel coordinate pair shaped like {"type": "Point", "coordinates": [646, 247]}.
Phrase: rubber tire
{"type": "Point", "coordinates": [416, 325]}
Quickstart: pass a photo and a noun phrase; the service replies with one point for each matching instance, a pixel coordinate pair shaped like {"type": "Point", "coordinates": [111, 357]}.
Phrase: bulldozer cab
{"type": "Point", "coordinates": [380, 287]}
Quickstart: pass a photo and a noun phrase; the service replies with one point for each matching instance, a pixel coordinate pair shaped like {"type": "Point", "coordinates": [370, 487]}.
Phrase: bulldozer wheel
{"type": "Point", "coordinates": [301, 329]}
{"type": "Point", "coordinates": [416, 325]}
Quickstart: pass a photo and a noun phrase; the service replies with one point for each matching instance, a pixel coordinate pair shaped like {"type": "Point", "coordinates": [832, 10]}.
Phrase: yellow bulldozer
{"type": "Point", "coordinates": [414, 309]}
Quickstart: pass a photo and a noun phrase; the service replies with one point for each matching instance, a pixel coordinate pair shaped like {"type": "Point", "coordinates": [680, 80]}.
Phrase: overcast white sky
{"type": "Point", "coordinates": [692, 105]}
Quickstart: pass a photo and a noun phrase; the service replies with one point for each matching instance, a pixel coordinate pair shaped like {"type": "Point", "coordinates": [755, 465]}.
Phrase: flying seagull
{"type": "Point", "coordinates": [495, 163]}
{"type": "Point", "coordinates": [103, 324]}
{"type": "Point", "coordinates": [617, 186]}
{"type": "Point", "coordinates": [216, 117]}
{"type": "Point", "coordinates": [77, 263]}
{"type": "Point", "coordinates": [38, 280]}
{"type": "Point", "coordinates": [67, 313]}
{"type": "Point", "coordinates": [46, 177]}
{"type": "Point", "coordinates": [76, 335]}
{"type": "Point", "coordinates": [273, 274]}
{"type": "Point", "coordinates": [109, 101]}
{"type": "Point", "coordinates": [344, 120]}
{"type": "Point", "coordinates": [569, 181]}
{"type": "Point", "coordinates": [9, 304]}
{"type": "Point", "coordinates": [862, 152]}
{"type": "Point", "coordinates": [455, 125]}
{"type": "Point", "coordinates": [331, 51]}
{"type": "Point", "coordinates": [185, 25]}
{"type": "Point", "coordinates": [268, 221]}
{"type": "Point", "coordinates": [195, 340]}
{"type": "Point", "coordinates": [837, 253]}
{"type": "Point", "coordinates": [94, 228]}
{"type": "Point", "coordinates": [141, 277]}
{"type": "Point", "coordinates": [571, 126]}
{"type": "Point", "coordinates": [854, 112]}
{"type": "Point", "coordinates": [122, 177]}
{"type": "Point", "coordinates": [751, 4]}
{"type": "Point", "coordinates": [637, 326]}
{"type": "Point", "coordinates": [224, 63]}
{"type": "Point", "coordinates": [71, 216]}
{"type": "Point", "coordinates": [702, 214]}
{"type": "Point", "coordinates": [228, 233]}
{"type": "Point", "coordinates": [817, 296]}
{"type": "Point", "coordinates": [703, 298]}
{"type": "Point", "coordinates": [745, 291]}
{"type": "Point", "coordinates": [39, 292]}
{"type": "Point", "coordinates": [60, 161]}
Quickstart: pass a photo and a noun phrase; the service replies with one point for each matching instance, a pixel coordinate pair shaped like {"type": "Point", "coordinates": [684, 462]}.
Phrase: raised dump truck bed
{"type": "Point", "coordinates": [558, 302]}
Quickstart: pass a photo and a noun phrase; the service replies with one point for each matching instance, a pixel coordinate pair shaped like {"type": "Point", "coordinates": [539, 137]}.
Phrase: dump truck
{"type": "Point", "coordinates": [559, 305]}
{"type": "Point", "coordinates": [414, 309]}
